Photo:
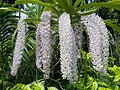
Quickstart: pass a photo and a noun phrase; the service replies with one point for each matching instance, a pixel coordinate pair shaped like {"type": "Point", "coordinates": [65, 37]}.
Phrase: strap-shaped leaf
{"type": "Point", "coordinates": [27, 5]}
{"type": "Point", "coordinates": [34, 2]}
{"type": "Point", "coordinates": [111, 4]}
{"type": "Point", "coordinates": [13, 9]}
{"type": "Point", "coordinates": [63, 4]}
{"type": "Point", "coordinates": [88, 12]}
{"type": "Point", "coordinates": [77, 3]}
{"type": "Point", "coordinates": [14, 35]}
{"type": "Point", "coordinates": [114, 26]}
{"type": "Point", "coordinates": [52, 88]}
{"type": "Point", "coordinates": [69, 3]}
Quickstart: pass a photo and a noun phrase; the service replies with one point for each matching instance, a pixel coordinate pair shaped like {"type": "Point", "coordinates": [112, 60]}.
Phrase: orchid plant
{"type": "Point", "coordinates": [59, 37]}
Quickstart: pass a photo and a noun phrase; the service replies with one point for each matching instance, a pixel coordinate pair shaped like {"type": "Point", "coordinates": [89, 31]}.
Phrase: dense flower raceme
{"type": "Point", "coordinates": [99, 42]}
{"type": "Point", "coordinates": [78, 33]}
{"type": "Point", "coordinates": [68, 49]}
{"type": "Point", "coordinates": [43, 44]}
{"type": "Point", "coordinates": [19, 46]}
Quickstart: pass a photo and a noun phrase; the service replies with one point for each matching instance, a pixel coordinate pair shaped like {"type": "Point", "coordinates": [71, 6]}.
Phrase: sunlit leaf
{"type": "Point", "coordinates": [116, 88]}
{"type": "Point", "coordinates": [115, 69]}
{"type": "Point", "coordinates": [52, 88]}
{"type": "Point", "coordinates": [117, 78]}
{"type": "Point", "coordinates": [77, 3]}
{"type": "Point", "coordinates": [13, 9]}
{"type": "Point", "coordinates": [112, 58]}
{"type": "Point", "coordinates": [110, 4]}
{"type": "Point", "coordinates": [94, 86]}
{"type": "Point", "coordinates": [27, 87]}
{"type": "Point", "coordinates": [18, 86]}
{"type": "Point", "coordinates": [33, 2]}
{"type": "Point", "coordinates": [114, 26]}
{"type": "Point", "coordinates": [103, 88]}
{"type": "Point", "coordinates": [14, 35]}
{"type": "Point", "coordinates": [87, 12]}
{"type": "Point", "coordinates": [88, 56]}
{"type": "Point", "coordinates": [103, 84]}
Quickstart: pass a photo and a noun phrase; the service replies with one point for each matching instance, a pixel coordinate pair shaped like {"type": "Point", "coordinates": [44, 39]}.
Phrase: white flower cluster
{"type": "Point", "coordinates": [19, 47]}
{"type": "Point", "coordinates": [99, 42]}
{"type": "Point", "coordinates": [78, 33]}
{"type": "Point", "coordinates": [43, 44]}
{"type": "Point", "coordinates": [68, 49]}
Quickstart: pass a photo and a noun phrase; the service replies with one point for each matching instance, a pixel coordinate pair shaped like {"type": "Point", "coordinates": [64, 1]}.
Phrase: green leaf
{"type": "Point", "coordinates": [27, 87]}
{"type": "Point", "coordinates": [14, 35]}
{"type": "Point", "coordinates": [52, 88]}
{"type": "Point", "coordinates": [39, 85]}
{"type": "Point", "coordinates": [0, 2]}
{"type": "Point", "coordinates": [110, 4]}
{"type": "Point", "coordinates": [115, 69]}
{"type": "Point", "coordinates": [94, 86]}
{"type": "Point", "coordinates": [36, 88]}
{"type": "Point", "coordinates": [34, 2]}
{"type": "Point", "coordinates": [116, 88]}
{"type": "Point", "coordinates": [114, 26]}
{"type": "Point", "coordinates": [8, 88]}
{"type": "Point", "coordinates": [9, 63]}
{"type": "Point", "coordinates": [77, 3]}
{"type": "Point", "coordinates": [88, 56]}
{"type": "Point", "coordinates": [69, 3]}
{"type": "Point", "coordinates": [18, 86]}
{"type": "Point", "coordinates": [112, 58]}
{"type": "Point", "coordinates": [117, 78]}
{"type": "Point", "coordinates": [32, 20]}
{"type": "Point", "coordinates": [103, 84]}
{"type": "Point", "coordinates": [88, 12]}
{"type": "Point", "coordinates": [13, 9]}
{"type": "Point", "coordinates": [103, 88]}
{"type": "Point", "coordinates": [27, 5]}
{"type": "Point", "coordinates": [32, 41]}
{"type": "Point", "coordinates": [64, 5]}
{"type": "Point", "coordinates": [50, 1]}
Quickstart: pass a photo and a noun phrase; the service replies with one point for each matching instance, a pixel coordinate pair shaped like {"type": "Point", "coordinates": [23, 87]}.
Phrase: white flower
{"type": "Point", "coordinates": [78, 34]}
{"type": "Point", "coordinates": [99, 42]}
{"type": "Point", "coordinates": [43, 44]}
{"type": "Point", "coordinates": [19, 47]}
{"type": "Point", "coordinates": [68, 49]}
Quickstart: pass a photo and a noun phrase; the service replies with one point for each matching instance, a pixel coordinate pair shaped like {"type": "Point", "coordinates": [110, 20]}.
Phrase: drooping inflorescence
{"type": "Point", "coordinates": [19, 46]}
{"type": "Point", "coordinates": [70, 41]}
{"type": "Point", "coordinates": [78, 34]}
{"type": "Point", "coordinates": [68, 49]}
{"type": "Point", "coordinates": [99, 42]}
{"type": "Point", "coordinates": [43, 44]}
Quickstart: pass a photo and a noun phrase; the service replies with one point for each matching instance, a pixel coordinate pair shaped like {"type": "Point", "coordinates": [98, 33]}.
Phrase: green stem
{"type": "Point", "coordinates": [85, 69]}
{"type": "Point", "coordinates": [38, 11]}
